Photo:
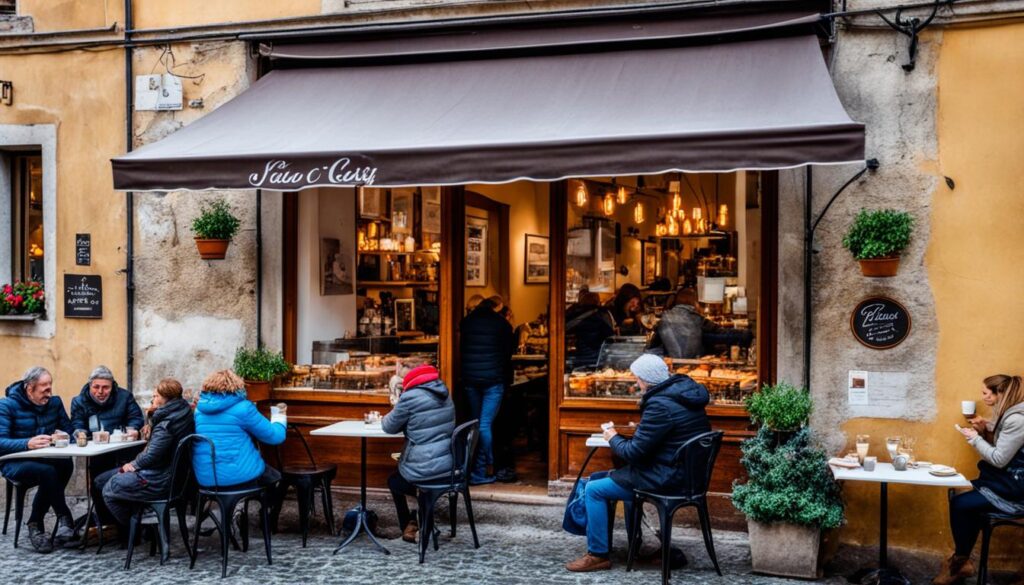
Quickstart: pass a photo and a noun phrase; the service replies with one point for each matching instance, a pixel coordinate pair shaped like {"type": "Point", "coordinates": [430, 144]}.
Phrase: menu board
{"type": "Point", "coordinates": [880, 323]}
{"type": "Point", "coordinates": [83, 249]}
{"type": "Point", "coordinates": [83, 296]}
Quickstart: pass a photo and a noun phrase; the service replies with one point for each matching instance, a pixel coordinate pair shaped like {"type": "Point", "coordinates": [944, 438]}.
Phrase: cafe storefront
{"type": "Point", "coordinates": [534, 159]}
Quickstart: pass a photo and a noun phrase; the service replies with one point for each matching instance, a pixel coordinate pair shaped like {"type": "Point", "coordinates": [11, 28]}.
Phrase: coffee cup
{"type": "Point", "coordinates": [968, 408]}
{"type": "Point", "coordinates": [101, 437]}
{"type": "Point", "coordinates": [869, 463]}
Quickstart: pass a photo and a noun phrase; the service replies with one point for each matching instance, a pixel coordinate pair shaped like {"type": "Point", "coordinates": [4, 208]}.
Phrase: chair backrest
{"type": "Point", "coordinates": [194, 441]}
{"type": "Point", "coordinates": [181, 469]}
{"type": "Point", "coordinates": [696, 459]}
{"type": "Point", "coordinates": [294, 429]}
{"type": "Point", "coordinates": [464, 439]}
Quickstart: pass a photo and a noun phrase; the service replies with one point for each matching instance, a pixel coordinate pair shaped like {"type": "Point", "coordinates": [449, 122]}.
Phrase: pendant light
{"type": "Point", "coordinates": [723, 215]}
{"type": "Point", "coordinates": [608, 204]}
{"type": "Point", "coordinates": [673, 226]}
{"type": "Point", "coordinates": [622, 197]}
{"type": "Point", "coordinates": [687, 227]}
{"type": "Point", "coordinates": [697, 213]}
{"type": "Point", "coordinates": [638, 213]}
{"type": "Point", "coordinates": [581, 195]}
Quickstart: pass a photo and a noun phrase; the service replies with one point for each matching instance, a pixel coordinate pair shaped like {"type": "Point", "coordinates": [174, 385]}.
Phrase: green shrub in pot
{"type": "Point", "coordinates": [876, 239]}
{"type": "Point", "coordinates": [780, 407]}
{"type": "Point", "coordinates": [215, 221]}
{"type": "Point", "coordinates": [260, 365]}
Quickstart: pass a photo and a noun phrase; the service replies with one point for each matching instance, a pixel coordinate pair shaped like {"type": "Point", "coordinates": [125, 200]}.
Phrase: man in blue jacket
{"type": "Point", "coordinates": [29, 414]}
{"type": "Point", "coordinates": [671, 413]}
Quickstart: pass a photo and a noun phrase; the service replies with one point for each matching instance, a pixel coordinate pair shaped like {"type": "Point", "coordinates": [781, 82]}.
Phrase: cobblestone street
{"type": "Point", "coordinates": [519, 544]}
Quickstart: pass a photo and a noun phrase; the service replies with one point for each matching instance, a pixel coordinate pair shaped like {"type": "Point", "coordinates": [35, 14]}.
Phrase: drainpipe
{"type": "Point", "coordinates": [129, 201]}
{"type": "Point", "coordinates": [259, 268]}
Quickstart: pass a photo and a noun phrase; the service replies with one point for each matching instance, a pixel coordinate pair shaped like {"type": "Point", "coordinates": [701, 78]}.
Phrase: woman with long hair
{"type": "Point", "coordinates": [999, 487]}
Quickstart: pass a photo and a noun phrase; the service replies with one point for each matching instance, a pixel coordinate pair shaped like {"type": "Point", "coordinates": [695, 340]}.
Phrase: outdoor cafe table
{"type": "Point", "coordinates": [358, 428]}
{"type": "Point", "coordinates": [93, 449]}
{"type": "Point", "coordinates": [884, 474]}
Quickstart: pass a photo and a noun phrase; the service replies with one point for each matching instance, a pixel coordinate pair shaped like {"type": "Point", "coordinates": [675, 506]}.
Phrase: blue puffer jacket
{"type": "Point", "coordinates": [20, 419]}
{"type": "Point", "coordinates": [231, 422]}
{"type": "Point", "coordinates": [119, 411]}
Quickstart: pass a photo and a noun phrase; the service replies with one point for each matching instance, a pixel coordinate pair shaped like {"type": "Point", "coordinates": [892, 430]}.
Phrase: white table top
{"type": "Point", "coordinates": [885, 473]}
{"type": "Point", "coordinates": [597, 440]}
{"type": "Point", "coordinates": [354, 428]}
{"type": "Point", "coordinates": [73, 450]}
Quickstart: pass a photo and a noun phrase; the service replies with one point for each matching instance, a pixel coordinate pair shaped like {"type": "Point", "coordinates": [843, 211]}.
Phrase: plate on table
{"type": "Point", "coordinates": [942, 471]}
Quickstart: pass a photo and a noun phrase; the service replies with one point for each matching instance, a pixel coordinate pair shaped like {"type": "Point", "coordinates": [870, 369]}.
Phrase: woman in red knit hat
{"type": "Point", "coordinates": [426, 415]}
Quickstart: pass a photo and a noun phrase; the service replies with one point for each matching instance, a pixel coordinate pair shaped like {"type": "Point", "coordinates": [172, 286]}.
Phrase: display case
{"type": "Point", "coordinates": [360, 373]}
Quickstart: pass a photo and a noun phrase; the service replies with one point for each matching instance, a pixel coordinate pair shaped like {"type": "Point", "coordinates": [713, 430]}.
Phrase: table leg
{"type": "Point", "coordinates": [883, 575]}
{"type": "Point", "coordinates": [362, 523]}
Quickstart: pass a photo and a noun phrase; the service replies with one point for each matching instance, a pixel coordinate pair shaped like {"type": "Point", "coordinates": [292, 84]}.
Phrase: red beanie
{"type": "Point", "coordinates": [419, 375]}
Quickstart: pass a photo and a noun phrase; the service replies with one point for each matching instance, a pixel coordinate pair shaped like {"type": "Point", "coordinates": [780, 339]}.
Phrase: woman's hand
{"type": "Point", "coordinates": [969, 434]}
{"type": "Point", "coordinates": [980, 424]}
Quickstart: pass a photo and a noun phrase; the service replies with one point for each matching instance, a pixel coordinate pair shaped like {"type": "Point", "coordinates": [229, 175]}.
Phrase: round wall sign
{"type": "Point", "coordinates": [880, 323]}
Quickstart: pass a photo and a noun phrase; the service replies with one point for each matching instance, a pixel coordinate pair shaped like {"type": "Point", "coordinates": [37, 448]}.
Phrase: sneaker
{"type": "Point", "coordinates": [589, 563]}
{"type": "Point", "coordinates": [39, 538]}
{"type": "Point", "coordinates": [65, 531]}
{"type": "Point", "coordinates": [506, 475]}
{"type": "Point", "coordinates": [411, 531]}
{"type": "Point", "coordinates": [481, 480]}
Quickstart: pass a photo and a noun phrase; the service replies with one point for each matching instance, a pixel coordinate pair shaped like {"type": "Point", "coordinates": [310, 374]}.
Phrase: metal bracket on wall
{"type": "Point", "coordinates": [6, 92]}
{"type": "Point", "coordinates": [910, 27]}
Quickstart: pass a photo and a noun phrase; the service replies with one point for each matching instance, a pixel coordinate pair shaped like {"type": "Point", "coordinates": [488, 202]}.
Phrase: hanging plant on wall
{"type": "Point", "coordinates": [876, 239]}
{"type": "Point", "coordinates": [214, 228]}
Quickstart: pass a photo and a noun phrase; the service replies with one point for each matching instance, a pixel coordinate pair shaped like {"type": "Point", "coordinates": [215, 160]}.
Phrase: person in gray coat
{"type": "Point", "coordinates": [425, 414]}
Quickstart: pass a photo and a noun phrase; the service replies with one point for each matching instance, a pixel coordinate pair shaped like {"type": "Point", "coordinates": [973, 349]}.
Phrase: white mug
{"type": "Point", "coordinates": [967, 407]}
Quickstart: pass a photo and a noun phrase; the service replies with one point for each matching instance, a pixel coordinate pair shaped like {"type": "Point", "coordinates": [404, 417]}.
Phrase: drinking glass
{"type": "Point", "coordinates": [892, 445]}
{"type": "Point", "coordinates": [862, 447]}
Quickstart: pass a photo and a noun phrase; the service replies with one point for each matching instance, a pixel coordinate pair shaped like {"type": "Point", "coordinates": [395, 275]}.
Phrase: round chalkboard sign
{"type": "Point", "coordinates": [880, 323]}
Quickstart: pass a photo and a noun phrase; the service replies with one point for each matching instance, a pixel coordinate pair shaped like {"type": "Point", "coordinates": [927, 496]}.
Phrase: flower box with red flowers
{"type": "Point", "coordinates": [22, 301]}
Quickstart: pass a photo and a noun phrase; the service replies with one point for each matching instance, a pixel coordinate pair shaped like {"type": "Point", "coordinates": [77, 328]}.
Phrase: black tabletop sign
{"type": "Point", "coordinates": [880, 323]}
{"type": "Point", "coordinates": [83, 249]}
{"type": "Point", "coordinates": [83, 296]}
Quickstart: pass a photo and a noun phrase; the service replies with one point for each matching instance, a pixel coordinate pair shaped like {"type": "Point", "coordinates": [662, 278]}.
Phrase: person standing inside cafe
{"type": "Point", "coordinates": [486, 343]}
{"type": "Point", "coordinates": [425, 414]}
{"type": "Point", "coordinates": [999, 487]}
{"type": "Point", "coordinates": [671, 413]}
{"type": "Point", "coordinates": [29, 414]}
{"type": "Point", "coordinates": [684, 333]}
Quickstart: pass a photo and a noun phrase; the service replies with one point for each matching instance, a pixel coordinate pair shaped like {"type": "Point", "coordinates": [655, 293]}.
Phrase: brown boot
{"type": "Point", "coordinates": [954, 570]}
{"type": "Point", "coordinates": [410, 532]}
{"type": "Point", "coordinates": [588, 563]}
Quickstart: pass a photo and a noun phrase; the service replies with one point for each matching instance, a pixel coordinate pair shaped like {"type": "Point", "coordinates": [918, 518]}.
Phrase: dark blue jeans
{"type": "Point", "coordinates": [966, 518]}
{"type": "Point", "coordinates": [51, 475]}
{"type": "Point", "coordinates": [598, 494]}
{"type": "Point", "coordinates": [484, 402]}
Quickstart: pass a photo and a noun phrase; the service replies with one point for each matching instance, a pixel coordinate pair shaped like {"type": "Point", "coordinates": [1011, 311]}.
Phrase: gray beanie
{"type": "Point", "coordinates": [650, 368]}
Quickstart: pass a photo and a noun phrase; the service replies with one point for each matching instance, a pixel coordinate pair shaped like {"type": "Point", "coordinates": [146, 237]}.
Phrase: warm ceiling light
{"type": "Point", "coordinates": [723, 215]}
{"type": "Point", "coordinates": [621, 197]}
{"type": "Point", "coordinates": [608, 205]}
{"type": "Point", "coordinates": [687, 227]}
{"type": "Point", "coordinates": [697, 213]}
{"type": "Point", "coordinates": [581, 195]}
{"type": "Point", "coordinates": [660, 230]}
{"type": "Point", "coordinates": [677, 202]}
{"type": "Point", "coordinates": [638, 213]}
{"type": "Point", "coordinates": [673, 226]}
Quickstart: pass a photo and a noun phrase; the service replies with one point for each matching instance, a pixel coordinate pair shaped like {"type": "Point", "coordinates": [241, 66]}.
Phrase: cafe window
{"type": "Point", "coordinates": [667, 264]}
{"type": "Point", "coordinates": [8, 7]}
{"type": "Point", "coordinates": [27, 242]}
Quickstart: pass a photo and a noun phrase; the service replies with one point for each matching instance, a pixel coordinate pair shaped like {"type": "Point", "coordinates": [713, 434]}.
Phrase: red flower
{"type": "Point", "coordinates": [38, 295]}
{"type": "Point", "coordinates": [8, 289]}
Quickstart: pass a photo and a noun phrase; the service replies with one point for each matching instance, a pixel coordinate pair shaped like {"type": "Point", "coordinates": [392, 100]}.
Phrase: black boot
{"type": "Point", "coordinates": [65, 531]}
{"type": "Point", "coordinates": [39, 538]}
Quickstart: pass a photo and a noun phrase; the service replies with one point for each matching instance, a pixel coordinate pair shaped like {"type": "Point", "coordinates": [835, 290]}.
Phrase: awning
{"type": "Point", "coordinates": [766, 103]}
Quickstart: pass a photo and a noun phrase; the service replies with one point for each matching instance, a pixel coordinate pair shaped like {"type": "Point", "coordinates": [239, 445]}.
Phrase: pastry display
{"type": "Point", "coordinates": [360, 373]}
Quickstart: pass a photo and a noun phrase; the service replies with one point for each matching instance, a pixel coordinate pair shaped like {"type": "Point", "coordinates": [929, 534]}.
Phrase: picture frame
{"type": "Point", "coordinates": [476, 251]}
{"type": "Point", "coordinates": [371, 203]}
{"type": "Point", "coordinates": [537, 259]}
{"type": "Point", "coordinates": [401, 211]}
{"type": "Point", "coordinates": [405, 315]}
{"type": "Point", "coordinates": [335, 274]}
{"type": "Point", "coordinates": [649, 260]}
{"type": "Point", "coordinates": [430, 210]}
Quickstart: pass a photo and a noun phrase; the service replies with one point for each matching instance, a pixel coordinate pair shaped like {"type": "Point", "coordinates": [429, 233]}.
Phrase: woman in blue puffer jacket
{"type": "Point", "coordinates": [226, 416]}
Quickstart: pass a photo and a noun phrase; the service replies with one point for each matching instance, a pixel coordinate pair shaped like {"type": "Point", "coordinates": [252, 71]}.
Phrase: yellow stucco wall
{"type": "Point", "coordinates": [90, 127]}
{"type": "Point", "coordinates": [161, 14]}
{"type": "Point", "coordinates": [974, 265]}
{"type": "Point", "coordinates": [63, 15]}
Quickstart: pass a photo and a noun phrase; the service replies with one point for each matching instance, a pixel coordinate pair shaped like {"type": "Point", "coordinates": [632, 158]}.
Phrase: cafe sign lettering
{"type": "Point", "coordinates": [83, 296]}
{"type": "Point", "coordinates": [284, 175]}
{"type": "Point", "coordinates": [880, 323]}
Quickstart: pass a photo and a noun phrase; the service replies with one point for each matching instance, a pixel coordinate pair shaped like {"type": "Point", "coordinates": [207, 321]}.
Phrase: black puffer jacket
{"type": "Point", "coordinates": [487, 344]}
{"type": "Point", "coordinates": [671, 413]}
{"type": "Point", "coordinates": [170, 423]}
{"type": "Point", "coordinates": [426, 415]}
{"type": "Point", "coordinates": [119, 411]}
{"type": "Point", "coordinates": [589, 328]}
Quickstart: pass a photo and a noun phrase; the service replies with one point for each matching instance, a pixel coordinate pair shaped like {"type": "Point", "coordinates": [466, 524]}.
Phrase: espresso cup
{"type": "Point", "coordinates": [968, 408]}
{"type": "Point", "coordinates": [869, 463]}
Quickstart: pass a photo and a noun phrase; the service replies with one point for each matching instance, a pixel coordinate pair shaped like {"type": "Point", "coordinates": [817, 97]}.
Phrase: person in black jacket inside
{"type": "Point", "coordinates": [671, 413]}
{"type": "Point", "coordinates": [590, 324]}
{"type": "Point", "coordinates": [486, 344]}
{"type": "Point", "coordinates": [149, 475]}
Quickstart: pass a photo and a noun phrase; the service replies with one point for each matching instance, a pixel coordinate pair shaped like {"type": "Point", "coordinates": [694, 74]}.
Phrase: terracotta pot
{"type": "Point", "coordinates": [212, 249]}
{"type": "Point", "coordinates": [880, 267]}
{"type": "Point", "coordinates": [787, 550]}
{"type": "Point", "coordinates": [257, 391]}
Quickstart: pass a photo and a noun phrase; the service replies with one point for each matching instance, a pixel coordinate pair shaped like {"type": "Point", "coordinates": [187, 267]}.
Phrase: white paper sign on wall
{"type": "Point", "coordinates": [158, 92]}
{"type": "Point", "coordinates": [877, 394]}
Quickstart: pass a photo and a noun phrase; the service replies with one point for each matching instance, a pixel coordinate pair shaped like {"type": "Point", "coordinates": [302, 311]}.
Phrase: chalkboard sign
{"type": "Point", "coordinates": [880, 323]}
{"type": "Point", "coordinates": [83, 296]}
{"type": "Point", "coordinates": [83, 249]}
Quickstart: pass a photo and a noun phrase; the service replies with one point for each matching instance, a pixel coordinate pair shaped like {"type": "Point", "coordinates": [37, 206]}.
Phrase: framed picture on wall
{"type": "Point", "coordinates": [430, 209]}
{"type": "Point", "coordinates": [538, 254]}
{"type": "Point", "coordinates": [335, 275]}
{"type": "Point", "coordinates": [401, 211]}
{"type": "Point", "coordinates": [650, 263]}
{"type": "Point", "coordinates": [476, 251]}
{"type": "Point", "coordinates": [371, 203]}
{"type": "Point", "coordinates": [405, 314]}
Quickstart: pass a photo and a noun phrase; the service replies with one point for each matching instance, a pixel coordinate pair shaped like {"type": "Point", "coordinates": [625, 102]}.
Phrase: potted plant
{"type": "Point", "coordinates": [258, 367]}
{"type": "Point", "coordinates": [876, 239]}
{"type": "Point", "coordinates": [790, 498]}
{"type": "Point", "coordinates": [22, 301]}
{"type": "Point", "coordinates": [213, 229]}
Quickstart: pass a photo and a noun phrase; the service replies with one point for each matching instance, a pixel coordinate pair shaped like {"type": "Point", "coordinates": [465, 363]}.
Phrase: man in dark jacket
{"type": "Point", "coordinates": [684, 332]}
{"type": "Point", "coordinates": [103, 405]}
{"type": "Point", "coordinates": [28, 416]}
{"type": "Point", "coordinates": [486, 343]}
{"type": "Point", "coordinates": [149, 475]}
{"type": "Point", "coordinates": [671, 413]}
{"type": "Point", "coordinates": [590, 324]}
{"type": "Point", "coordinates": [425, 413]}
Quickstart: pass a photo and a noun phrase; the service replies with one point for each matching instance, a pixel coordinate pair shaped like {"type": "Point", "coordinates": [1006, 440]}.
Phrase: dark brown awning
{"type": "Point", "coordinates": [752, 104]}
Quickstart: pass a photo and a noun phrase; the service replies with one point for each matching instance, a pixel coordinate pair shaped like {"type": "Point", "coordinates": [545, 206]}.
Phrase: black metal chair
{"type": "Point", "coordinates": [306, 479]}
{"type": "Point", "coordinates": [993, 521]}
{"type": "Point", "coordinates": [464, 439]}
{"type": "Point", "coordinates": [18, 490]}
{"type": "Point", "coordinates": [227, 500]}
{"type": "Point", "coordinates": [175, 497]}
{"type": "Point", "coordinates": [696, 460]}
